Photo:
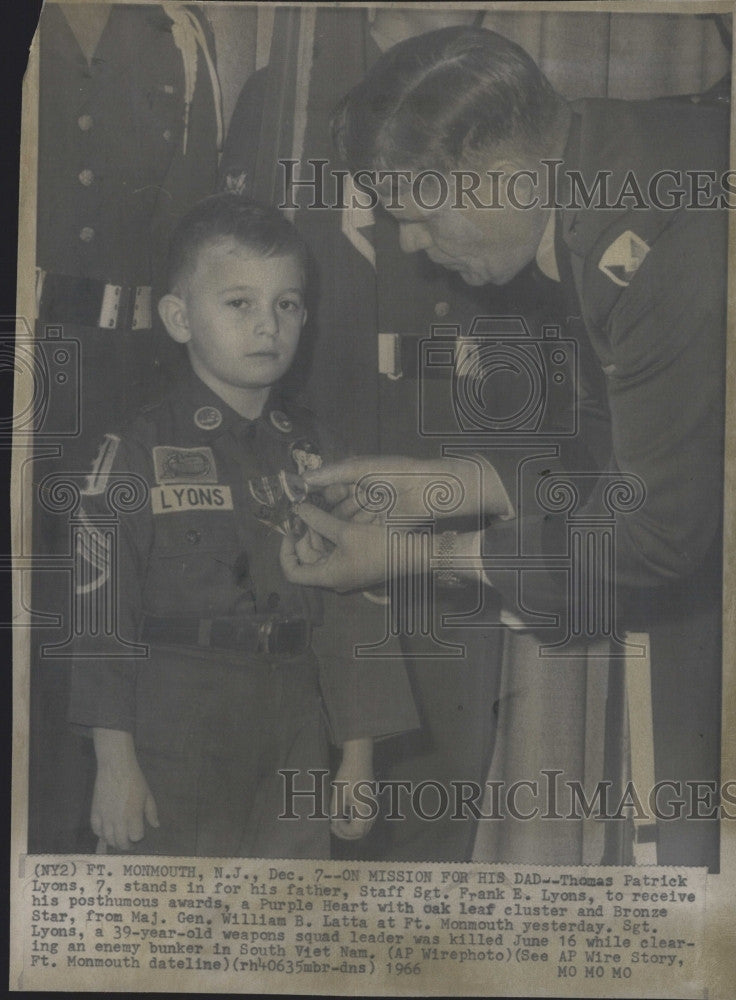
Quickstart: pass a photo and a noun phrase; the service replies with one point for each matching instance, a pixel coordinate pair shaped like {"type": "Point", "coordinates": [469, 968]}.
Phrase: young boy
{"type": "Point", "coordinates": [190, 737]}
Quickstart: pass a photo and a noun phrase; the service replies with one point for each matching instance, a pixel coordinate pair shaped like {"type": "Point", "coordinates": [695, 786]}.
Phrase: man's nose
{"type": "Point", "coordinates": [413, 237]}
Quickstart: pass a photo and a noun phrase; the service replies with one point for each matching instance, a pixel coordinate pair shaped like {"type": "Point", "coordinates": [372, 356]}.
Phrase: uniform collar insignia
{"type": "Point", "coordinates": [208, 418]}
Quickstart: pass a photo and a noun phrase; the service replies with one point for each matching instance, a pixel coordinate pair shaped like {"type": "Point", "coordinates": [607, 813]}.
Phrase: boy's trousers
{"type": "Point", "coordinates": [211, 739]}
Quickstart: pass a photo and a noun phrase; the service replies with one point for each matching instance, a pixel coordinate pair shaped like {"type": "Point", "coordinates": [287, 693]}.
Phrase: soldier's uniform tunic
{"type": "Point", "coordinates": [652, 405]}
{"type": "Point", "coordinates": [230, 692]}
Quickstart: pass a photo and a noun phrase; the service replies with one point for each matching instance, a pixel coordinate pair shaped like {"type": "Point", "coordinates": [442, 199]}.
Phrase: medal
{"type": "Point", "coordinates": [305, 456]}
{"type": "Point", "coordinates": [272, 499]}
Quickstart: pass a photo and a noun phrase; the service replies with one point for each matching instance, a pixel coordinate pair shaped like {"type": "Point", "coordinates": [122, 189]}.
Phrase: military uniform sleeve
{"type": "Point", "coordinates": [192, 173]}
{"type": "Point", "coordinates": [665, 396]}
{"type": "Point", "coordinates": [240, 153]}
{"type": "Point", "coordinates": [111, 550]}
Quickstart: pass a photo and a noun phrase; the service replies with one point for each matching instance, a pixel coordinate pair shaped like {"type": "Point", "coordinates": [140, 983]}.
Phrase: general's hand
{"type": "Point", "coordinates": [121, 797]}
{"type": "Point", "coordinates": [354, 559]}
{"type": "Point", "coordinates": [470, 487]}
{"type": "Point", "coordinates": [310, 548]}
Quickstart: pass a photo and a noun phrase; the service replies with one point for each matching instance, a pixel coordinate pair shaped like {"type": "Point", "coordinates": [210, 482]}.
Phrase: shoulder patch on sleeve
{"type": "Point", "coordinates": [102, 466]}
{"type": "Point", "coordinates": [93, 557]}
{"type": "Point", "coordinates": [623, 258]}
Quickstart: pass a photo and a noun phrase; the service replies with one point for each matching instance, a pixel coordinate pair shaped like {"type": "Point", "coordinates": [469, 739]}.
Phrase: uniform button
{"type": "Point", "coordinates": [441, 308]}
{"type": "Point", "coordinates": [86, 177]}
{"type": "Point", "coordinates": [193, 536]}
{"type": "Point", "coordinates": [86, 234]}
{"type": "Point", "coordinates": [85, 122]}
{"type": "Point", "coordinates": [272, 601]}
{"type": "Point", "coordinates": [167, 133]}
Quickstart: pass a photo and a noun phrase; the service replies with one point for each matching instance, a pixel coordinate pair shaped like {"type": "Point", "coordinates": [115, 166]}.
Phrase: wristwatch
{"type": "Point", "coordinates": [445, 551]}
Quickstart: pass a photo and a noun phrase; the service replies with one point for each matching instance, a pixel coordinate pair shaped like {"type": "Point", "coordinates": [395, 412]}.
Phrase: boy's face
{"type": "Point", "coordinates": [244, 315]}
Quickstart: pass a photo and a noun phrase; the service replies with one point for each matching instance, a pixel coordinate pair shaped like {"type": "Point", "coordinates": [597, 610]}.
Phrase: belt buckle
{"type": "Point", "coordinates": [284, 636]}
{"type": "Point", "coordinates": [265, 630]}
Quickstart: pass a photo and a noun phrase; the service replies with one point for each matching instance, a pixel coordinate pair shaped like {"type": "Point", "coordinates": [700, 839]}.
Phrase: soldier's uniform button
{"type": "Point", "coordinates": [167, 133]}
{"type": "Point", "coordinates": [193, 536]}
{"type": "Point", "coordinates": [86, 234]}
{"type": "Point", "coordinates": [85, 122]}
{"type": "Point", "coordinates": [86, 177]}
{"type": "Point", "coordinates": [441, 308]}
{"type": "Point", "coordinates": [272, 601]}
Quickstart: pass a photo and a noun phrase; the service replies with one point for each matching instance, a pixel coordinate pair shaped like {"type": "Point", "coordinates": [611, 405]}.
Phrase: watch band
{"type": "Point", "coordinates": [445, 551]}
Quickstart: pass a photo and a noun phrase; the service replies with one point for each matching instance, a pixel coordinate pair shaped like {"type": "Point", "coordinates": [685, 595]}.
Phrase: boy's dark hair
{"type": "Point", "coordinates": [257, 227]}
{"type": "Point", "coordinates": [432, 100]}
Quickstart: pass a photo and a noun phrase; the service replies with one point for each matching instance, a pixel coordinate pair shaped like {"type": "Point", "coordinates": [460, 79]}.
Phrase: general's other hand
{"type": "Point", "coordinates": [310, 548]}
{"type": "Point", "coordinates": [353, 558]}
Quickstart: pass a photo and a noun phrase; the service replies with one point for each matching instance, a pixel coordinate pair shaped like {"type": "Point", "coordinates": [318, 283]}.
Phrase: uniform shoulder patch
{"type": "Point", "coordinates": [92, 556]}
{"type": "Point", "coordinates": [184, 465]}
{"type": "Point", "coordinates": [102, 466]}
{"type": "Point", "coordinates": [623, 258]}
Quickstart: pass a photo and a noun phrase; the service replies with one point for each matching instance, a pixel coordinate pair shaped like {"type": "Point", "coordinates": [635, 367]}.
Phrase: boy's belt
{"type": "Point", "coordinates": [258, 634]}
{"type": "Point", "coordinates": [63, 298]}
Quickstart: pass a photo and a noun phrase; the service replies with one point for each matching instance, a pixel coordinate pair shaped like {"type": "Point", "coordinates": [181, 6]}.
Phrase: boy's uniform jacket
{"type": "Point", "coordinates": [194, 575]}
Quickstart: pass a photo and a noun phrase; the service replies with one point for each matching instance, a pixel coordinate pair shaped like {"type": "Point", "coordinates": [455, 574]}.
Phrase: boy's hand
{"type": "Point", "coordinates": [121, 795]}
{"type": "Point", "coordinates": [356, 766]}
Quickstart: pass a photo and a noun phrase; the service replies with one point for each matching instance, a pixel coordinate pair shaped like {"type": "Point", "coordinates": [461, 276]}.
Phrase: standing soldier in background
{"type": "Point", "coordinates": [130, 122]}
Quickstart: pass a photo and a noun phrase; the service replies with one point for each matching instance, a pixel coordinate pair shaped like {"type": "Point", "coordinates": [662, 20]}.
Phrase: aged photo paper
{"type": "Point", "coordinates": [372, 500]}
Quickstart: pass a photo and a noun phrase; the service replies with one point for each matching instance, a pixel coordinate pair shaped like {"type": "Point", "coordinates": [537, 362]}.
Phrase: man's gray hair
{"type": "Point", "coordinates": [433, 101]}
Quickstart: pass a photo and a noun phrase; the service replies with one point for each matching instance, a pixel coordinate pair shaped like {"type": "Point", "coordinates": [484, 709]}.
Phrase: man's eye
{"type": "Point", "coordinates": [239, 303]}
{"type": "Point", "coordinates": [289, 305]}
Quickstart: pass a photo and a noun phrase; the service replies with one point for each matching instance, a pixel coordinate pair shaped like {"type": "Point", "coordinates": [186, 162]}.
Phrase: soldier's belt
{"type": "Point", "coordinates": [88, 302]}
{"type": "Point", "coordinates": [270, 635]}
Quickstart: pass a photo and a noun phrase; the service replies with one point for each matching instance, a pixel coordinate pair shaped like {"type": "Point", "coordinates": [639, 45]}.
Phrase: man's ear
{"type": "Point", "coordinates": [173, 313]}
{"type": "Point", "coordinates": [304, 318]}
{"type": "Point", "coordinates": [519, 184]}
